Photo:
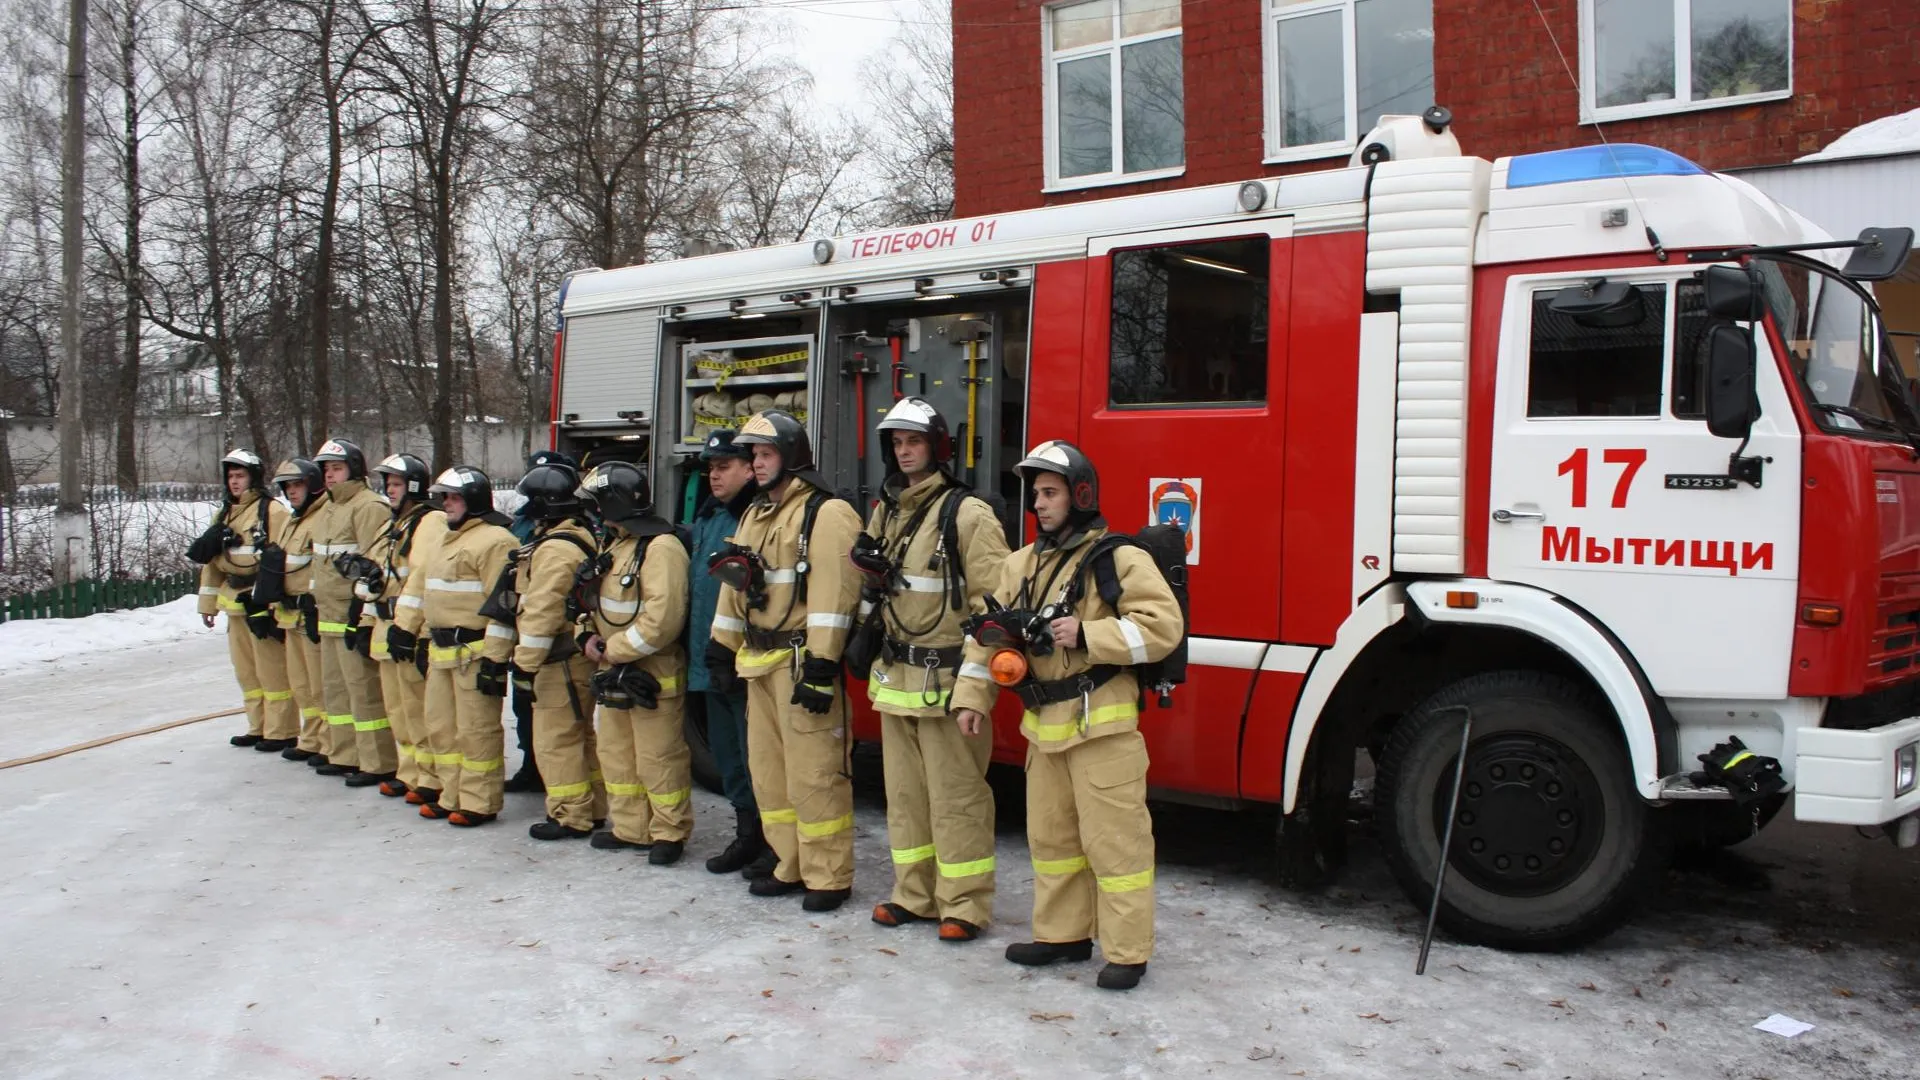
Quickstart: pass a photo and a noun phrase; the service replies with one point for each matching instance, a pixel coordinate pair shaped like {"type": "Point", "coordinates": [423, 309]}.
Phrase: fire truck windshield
{"type": "Point", "coordinates": [1839, 350]}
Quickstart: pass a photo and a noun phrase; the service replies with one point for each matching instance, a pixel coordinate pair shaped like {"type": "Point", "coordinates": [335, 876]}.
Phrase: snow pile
{"type": "Point", "coordinates": [1896, 134]}
{"type": "Point", "coordinates": [26, 643]}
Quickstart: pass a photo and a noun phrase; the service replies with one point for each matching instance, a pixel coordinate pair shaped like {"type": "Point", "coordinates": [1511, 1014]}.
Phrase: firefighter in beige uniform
{"type": "Point", "coordinates": [548, 666]}
{"type": "Point", "coordinates": [466, 652]}
{"type": "Point", "coordinates": [781, 625]}
{"type": "Point", "coordinates": [231, 549]}
{"type": "Point", "coordinates": [931, 551]}
{"type": "Point", "coordinates": [640, 613]}
{"type": "Point", "coordinates": [361, 743]}
{"type": "Point", "coordinates": [403, 680]}
{"type": "Point", "coordinates": [300, 482]}
{"type": "Point", "coordinates": [1087, 823]}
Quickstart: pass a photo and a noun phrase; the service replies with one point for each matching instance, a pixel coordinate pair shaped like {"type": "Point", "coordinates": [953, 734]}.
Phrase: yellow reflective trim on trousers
{"type": "Point", "coordinates": [631, 791]}
{"type": "Point", "coordinates": [371, 725]}
{"type": "Point", "coordinates": [754, 658]}
{"type": "Point", "coordinates": [967, 869]}
{"type": "Point", "coordinates": [670, 798]}
{"type": "Point", "coordinates": [568, 791]}
{"type": "Point", "coordinates": [778, 817]}
{"type": "Point", "coordinates": [231, 605]}
{"type": "Point", "coordinates": [671, 682]}
{"type": "Point", "coordinates": [443, 759]}
{"type": "Point", "coordinates": [471, 765]}
{"type": "Point", "coordinates": [825, 828]}
{"type": "Point", "coordinates": [1106, 714]}
{"type": "Point", "coordinates": [1127, 882]}
{"type": "Point", "coordinates": [1060, 866]}
{"type": "Point", "coordinates": [906, 699]}
{"type": "Point", "coordinates": [252, 695]}
{"type": "Point", "coordinates": [339, 721]}
{"type": "Point", "coordinates": [333, 628]}
{"type": "Point", "coordinates": [438, 655]}
{"type": "Point", "coordinates": [909, 856]}
{"type": "Point", "coordinates": [403, 749]}
{"type": "Point", "coordinates": [312, 714]}
{"type": "Point", "coordinates": [278, 695]}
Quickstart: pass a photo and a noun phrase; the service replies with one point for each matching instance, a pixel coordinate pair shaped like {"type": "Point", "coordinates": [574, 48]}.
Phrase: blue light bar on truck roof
{"type": "Point", "coordinates": [1597, 163]}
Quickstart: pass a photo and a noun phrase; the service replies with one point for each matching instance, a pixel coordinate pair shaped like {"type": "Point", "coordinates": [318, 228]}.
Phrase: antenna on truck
{"type": "Point", "coordinates": [1653, 238]}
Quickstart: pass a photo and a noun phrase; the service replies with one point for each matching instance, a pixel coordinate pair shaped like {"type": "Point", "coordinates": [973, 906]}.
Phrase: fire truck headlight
{"type": "Point", "coordinates": [823, 251]}
{"type": "Point", "coordinates": [1904, 762]}
{"type": "Point", "coordinates": [1253, 196]}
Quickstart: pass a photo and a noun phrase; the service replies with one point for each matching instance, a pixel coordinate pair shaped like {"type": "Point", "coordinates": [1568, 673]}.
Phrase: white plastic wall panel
{"type": "Point", "coordinates": [608, 364]}
{"type": "Point", "coordinates": [1423, 217]}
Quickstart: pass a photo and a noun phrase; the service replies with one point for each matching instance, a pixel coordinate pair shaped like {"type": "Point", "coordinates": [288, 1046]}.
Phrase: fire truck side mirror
{"type": "Point", "coordinates": [1732, 404]}
{"type": "Point", "coordinates": [1881, 254]}
{"type": "Point", "coordinates": [1733, 292]}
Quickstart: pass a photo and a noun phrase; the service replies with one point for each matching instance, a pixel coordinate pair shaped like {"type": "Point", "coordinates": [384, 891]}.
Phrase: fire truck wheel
{"type": "Point", "coordinates": [1552, 846]}
{"type": "Point", "coordinates": [693, 721]}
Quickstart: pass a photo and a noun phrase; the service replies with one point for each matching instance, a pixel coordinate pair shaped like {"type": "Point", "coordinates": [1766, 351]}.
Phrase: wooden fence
{"type": "Point", "coordinates": [90, 597]}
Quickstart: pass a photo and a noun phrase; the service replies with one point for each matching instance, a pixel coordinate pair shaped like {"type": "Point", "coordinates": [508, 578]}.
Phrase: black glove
{"type": "Point", "coordinates": [360, 640]}
{"type": "Point", "coordinates": [208, 545]}
{"type": "Point", "coordinates": [625, 686]}
{"type": "Point", "coordinates": [814, 691]}
{"type": "Point", "coordinates": [491, 679]}
{"type": "Point", "coordinates": [310, 618]}
{"type": "Point", "coordinates": [522, 682]}
{"type": "Point", "coordinates": [720, 668]}
{"type": "Point", "coordinates": [420, 658]}
{"type": "Point", "coordinates": [400, 645]}
{"type": "Point", "coordinates": [259, 618]}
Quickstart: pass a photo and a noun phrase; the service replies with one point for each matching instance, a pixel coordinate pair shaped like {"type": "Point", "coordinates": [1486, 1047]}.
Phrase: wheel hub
{"type": "Point", "coordinates": [1529, 816]}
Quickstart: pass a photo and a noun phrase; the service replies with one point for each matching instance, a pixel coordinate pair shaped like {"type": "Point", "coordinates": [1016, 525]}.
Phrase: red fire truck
{"type": "Point", "coordinates": [1593, 450]}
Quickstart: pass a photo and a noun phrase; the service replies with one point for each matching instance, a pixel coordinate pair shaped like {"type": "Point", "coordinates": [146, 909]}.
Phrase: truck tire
{"type": "Point", "coordinates": [693, 720]}
{"type": "Point", "coordinates": [1553, 846]}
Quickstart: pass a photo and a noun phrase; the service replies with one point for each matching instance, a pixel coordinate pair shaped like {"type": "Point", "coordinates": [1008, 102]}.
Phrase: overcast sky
{"type": "Point", "coordinates": [836, 38]}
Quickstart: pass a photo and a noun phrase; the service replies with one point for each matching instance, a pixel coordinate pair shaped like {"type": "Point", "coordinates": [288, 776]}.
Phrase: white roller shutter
{"type": "Point", "coordinates": [608, 364]}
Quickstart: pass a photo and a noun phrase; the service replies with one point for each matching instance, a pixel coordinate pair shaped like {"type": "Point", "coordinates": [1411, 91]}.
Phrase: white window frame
{"type": "Point", "coordinates": [1271, 15]}
{"type": "Point", "coordinates": [1591, 113]}
{"type": "Point", "coordinates": [1050, 62]}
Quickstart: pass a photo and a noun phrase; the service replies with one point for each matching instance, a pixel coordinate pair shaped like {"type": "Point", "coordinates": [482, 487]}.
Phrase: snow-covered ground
{"type": "Point", "coordinates": [178, 908]}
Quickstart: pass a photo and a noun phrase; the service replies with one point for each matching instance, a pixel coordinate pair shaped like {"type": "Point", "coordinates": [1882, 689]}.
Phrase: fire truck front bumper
{"type": "Point", "coordinates": [1869, 777]}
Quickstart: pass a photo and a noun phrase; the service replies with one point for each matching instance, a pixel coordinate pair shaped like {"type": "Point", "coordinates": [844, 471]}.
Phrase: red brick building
{"type": "Point", "coordinates": [1092, 98]}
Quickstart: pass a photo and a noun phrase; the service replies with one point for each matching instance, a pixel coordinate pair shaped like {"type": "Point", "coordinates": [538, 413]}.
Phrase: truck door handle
{"type": "Point", "coordinates": [1507, 517]}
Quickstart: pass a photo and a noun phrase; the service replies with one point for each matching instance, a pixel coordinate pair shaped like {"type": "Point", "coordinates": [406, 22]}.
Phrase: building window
{"type": "Point", "coordinates": [1334, 67]}
{"type": "Point", "coordinates": [1189, 325]}
{"type": "Point", "coordinates": [1645, 57]}
{"type": "Point", "coordinates": [1115, 97]}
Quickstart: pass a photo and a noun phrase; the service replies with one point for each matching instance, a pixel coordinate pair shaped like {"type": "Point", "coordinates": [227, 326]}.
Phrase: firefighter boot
{"type": "Point", "coordinates": [273, 746]}
{"type": "Point", "coordinates": [606, 841]}
{"type": "Point", "coordinates": [1042, 953]}
{"type": "Point", "coordinates": [773, 886]}
{"type": "Point", "coordinates": [296, 754]}
{"type": "Point", "coordinates": [892, 914]}
{"type": "Point", "coordinates": [553, 830]}
{"type": "Point", "coordinates": [243, 740]}
{"type": "Point", "coordinates": [468, 819]}
{"type": "Point", "coordinates": [422, 796]}
{"type": "Point", "coordinates": [825, 899]}
{"type": "Point", "coordinates": [957, 930]}
{"type": "Point", "coordinates": [762, 865]}
{"type": "Point", "coordinates": [359, 778]}
{"type": "Point", "coordinates": [747, 844]}
{"type": "Point", "coordinates": [1121, 976]}
{"type": "Point", "coordinates": [666, 852]}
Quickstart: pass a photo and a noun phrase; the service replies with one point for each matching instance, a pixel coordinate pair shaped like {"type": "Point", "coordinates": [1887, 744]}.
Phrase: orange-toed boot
{"type": "Point", "coordinates": [958, 930]}
{"type": "Point", "coordinates": [434, 810]}
{"type": "Point", "coordinates": [393, 789]}
{"type": "Point", "coordinates": [891, 914]}
{"type": "Point", "coordinates": [423, 796]}
{"type": "Point", "coordinates": [467, 819]}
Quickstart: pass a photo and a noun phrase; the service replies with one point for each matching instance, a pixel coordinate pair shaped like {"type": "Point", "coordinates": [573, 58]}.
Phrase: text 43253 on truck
{"type": "Point", "coordinates": [1602, 455]}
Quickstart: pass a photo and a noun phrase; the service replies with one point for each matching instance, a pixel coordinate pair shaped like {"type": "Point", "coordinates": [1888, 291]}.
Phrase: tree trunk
{"type": "Point", "coordinates": [321, 342]}
{"type": "Point", "coordinates": [126, 457]}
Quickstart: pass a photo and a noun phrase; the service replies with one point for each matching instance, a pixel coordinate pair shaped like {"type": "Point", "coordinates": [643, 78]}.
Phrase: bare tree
{"type": "Point", "coordinates": [913, 153]}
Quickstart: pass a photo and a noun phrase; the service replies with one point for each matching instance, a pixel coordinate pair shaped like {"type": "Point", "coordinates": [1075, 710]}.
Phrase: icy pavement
{"type": "Point", "coordinates": [178, 908]}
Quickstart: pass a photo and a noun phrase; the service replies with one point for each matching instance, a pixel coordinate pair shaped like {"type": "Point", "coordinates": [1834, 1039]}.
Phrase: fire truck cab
{"type": "Point", "coordinates": [1586, 451]}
